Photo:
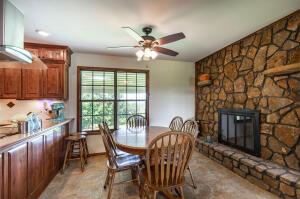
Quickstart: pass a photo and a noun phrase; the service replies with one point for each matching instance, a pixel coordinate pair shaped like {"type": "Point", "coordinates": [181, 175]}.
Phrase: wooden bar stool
{"type": "Point", "coordinates": [85, 141]}
{"type": "Point", "coordinates": [72, 142]}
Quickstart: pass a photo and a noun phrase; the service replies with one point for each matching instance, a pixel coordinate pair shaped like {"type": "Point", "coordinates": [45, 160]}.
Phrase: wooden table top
{"type": "Point", "coordinates": [136, 140]}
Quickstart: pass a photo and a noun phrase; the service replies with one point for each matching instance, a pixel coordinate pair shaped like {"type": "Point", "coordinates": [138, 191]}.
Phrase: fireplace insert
{"type": "Point", "coordinates": [239, 128]}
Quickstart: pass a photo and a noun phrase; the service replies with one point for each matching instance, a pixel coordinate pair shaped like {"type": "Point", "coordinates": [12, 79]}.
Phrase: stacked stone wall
{"type": "Point", "coordinates": [238, 82]}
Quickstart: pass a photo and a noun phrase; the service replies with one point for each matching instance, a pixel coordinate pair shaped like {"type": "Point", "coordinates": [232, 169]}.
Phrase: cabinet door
{"type": "Point", "coordinates": [57, 147]}
{"type": "Point", "coordinates": [53, 81]}
{"type": "Point", "coordinates": [35, 164]}
{"type": "Point", "coordinates": [17, 172]}
{"type": "Point", "coordinates": [11, 83]}
{"type": "Point", "coordinates": [49, 154]}
{"type": "Point", "coordinates": [34, 51]}
{"type": "Point", "coordinates": [32, 83]}
{"type": "Point", "coordinates": [53, 54]}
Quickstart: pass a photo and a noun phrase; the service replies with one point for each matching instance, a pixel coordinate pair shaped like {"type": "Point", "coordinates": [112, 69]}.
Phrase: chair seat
{"type": "Point", "coordinates": [125, 161]}
{"type": "Point", "coordinates": [121, 153]}
{"type": "Point", "coordinates": [76, 137]}
{"type": "Point", "coordinates": [160, 185]}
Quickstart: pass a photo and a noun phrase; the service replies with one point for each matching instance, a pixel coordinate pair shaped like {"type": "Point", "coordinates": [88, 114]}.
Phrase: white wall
{"type": "Point", "coordinates": [23, 107]}
{"type": "Point", "coordinates": [171, 88]}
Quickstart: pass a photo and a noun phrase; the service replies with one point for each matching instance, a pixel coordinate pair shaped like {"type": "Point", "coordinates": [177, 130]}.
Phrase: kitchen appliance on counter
{"type": "Point", "coordinates": [58, 111]}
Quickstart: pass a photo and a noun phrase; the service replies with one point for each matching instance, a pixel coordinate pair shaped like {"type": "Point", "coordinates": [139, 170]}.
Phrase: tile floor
{"type": "Point", "coordinates": [213, 181]}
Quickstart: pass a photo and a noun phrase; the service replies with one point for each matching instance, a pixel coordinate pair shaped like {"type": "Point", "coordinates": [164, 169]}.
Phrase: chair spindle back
{"type": "Point", "coordinates": [167, 158]}
{"type": "Point", "coordinates": [190, 126]}
{"type": "Point", "coordinates": [136, 121]}
{"type": "Point", "coordinates": [176, 123]}
{"type": "Point", "coordinates": [110, 152]}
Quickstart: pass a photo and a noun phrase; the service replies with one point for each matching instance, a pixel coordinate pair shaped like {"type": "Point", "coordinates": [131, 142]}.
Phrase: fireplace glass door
{"type": "Point", "coordinates": [239, 129]}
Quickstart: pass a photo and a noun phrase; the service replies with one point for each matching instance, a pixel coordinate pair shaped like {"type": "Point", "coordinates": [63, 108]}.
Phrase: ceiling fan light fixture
{"type": "Point", "coordinates": [153, 54]}
{"type": "Point", "coordinates": [147, 52]}
{"type": "Point", "coordinates": [140, 54]}
{"type": "Point", "coordinates": [145, 58]}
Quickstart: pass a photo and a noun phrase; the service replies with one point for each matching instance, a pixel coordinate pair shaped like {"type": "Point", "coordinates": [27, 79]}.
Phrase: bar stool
{"type": "Point", "coordinates": [85, 141]}
{"type": "Point", "coordinates": [72, 141]}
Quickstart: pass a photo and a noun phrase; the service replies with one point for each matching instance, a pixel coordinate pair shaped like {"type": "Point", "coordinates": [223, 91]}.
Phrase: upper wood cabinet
{"type": "Point", "coordinates": [53, 81]}
{"type": "Point", "coordinates": [32, 84]}
{"type": "Point", "coordinates": [10, 83]}
{"type": "Point", "coordinates": [50, 53]}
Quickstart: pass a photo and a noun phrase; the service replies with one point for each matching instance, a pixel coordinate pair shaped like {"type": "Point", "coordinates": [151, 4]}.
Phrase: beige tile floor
{"type": "Point", "coordinates": [213, 181]}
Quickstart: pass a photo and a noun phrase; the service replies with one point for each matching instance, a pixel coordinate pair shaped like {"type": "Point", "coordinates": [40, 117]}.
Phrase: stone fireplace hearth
{"type": "Point", "coordinates": [238, 82]}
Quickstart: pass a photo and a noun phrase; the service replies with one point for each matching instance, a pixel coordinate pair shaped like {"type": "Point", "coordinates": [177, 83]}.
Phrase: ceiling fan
{"type": "Point", "coordinates": [149, 45]}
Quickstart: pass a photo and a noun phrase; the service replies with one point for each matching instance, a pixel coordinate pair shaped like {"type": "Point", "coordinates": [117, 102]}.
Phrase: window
{"type": "Point", "coordinates": [110, 95]}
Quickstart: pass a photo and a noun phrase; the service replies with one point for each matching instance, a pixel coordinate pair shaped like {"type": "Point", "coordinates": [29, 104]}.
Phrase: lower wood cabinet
{"type": "Point", "coordinates": [35, 165]}
{"type": "Point", "coordinates": [27, 168]}
{"type": "Point", "coordinates": [17, 167]}
{"type": "Point", "coordinates": [49, 154]}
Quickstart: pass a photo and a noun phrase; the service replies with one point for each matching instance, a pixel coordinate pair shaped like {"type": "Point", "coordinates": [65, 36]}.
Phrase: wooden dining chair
{"type": "Point", "coordinates": [116, 163]}
{"type": "Point", "coordinates": [136, 121]}
{"type": "Point", "coordinates": [191, 126]}
{"type": "Point", "coordinates": [176, 123]}
{"type": "Point", "coordinates": [167, 158]}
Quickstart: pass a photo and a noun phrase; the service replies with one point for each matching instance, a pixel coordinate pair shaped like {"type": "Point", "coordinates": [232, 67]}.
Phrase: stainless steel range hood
{"type": "Point", "coordinates": [12, 34]}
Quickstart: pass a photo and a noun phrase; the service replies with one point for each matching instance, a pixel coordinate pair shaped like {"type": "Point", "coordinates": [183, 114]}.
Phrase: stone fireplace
{"type": "Point", "coordinates": [239, 128]}
{"type": "Point", "coordinates": [238, 82]}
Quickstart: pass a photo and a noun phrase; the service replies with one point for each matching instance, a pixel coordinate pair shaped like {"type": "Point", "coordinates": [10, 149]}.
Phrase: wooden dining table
{"type": "Point", "coordinates": [137, 140]}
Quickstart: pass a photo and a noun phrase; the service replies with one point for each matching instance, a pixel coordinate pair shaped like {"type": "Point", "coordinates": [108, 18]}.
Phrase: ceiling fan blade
{"type": "Point", "coordinates": [124, 47]}
{"type": "Point", "coordinates": [133, 34]}
{"type": "Point", "coordinates": [170, 38]}
{"type": "Point", "coordinates": [165, 51]}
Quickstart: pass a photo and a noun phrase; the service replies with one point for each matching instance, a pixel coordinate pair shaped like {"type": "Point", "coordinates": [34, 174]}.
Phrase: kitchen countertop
{"type": "Point", "coordinates": [8, 141]}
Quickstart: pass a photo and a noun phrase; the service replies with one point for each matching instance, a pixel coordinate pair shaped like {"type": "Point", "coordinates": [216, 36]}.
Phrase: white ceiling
{"type": "Point", "coordinates": [92, 25]}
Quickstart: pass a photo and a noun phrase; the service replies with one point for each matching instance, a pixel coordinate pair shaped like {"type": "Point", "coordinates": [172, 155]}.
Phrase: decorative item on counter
{"type": "Point", "coordinates": [203, 77]}
{"type": "Point", "coordinates": [34, 122]}
{"type": "Point", "coordinates": [58, 111]}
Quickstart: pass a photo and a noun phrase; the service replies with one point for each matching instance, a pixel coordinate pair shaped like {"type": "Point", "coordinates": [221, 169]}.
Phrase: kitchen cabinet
{"type": "Point", "coordinates": [55, 78]}
{"type": "Point", "coordinates": [53, 87]}
{"type": "Point", "coordinates": [34, 51]}
{"type": "Point", "coordinates": [29, 165]}
{"type": "Point", "coordinates": [32, 84]}
{"type": "Point", "coordinates": [49, 154]}
{"type": "Point", "coordinates": [50, 83]}
{"type": "Point", "coordinates": [35, 165]}
{"type": "Point", "coordinates": [17, 179]}
{"type": "Point", "coordinates": [49, 53]}
{"type": "Point", "coordinates": [10, 87]}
